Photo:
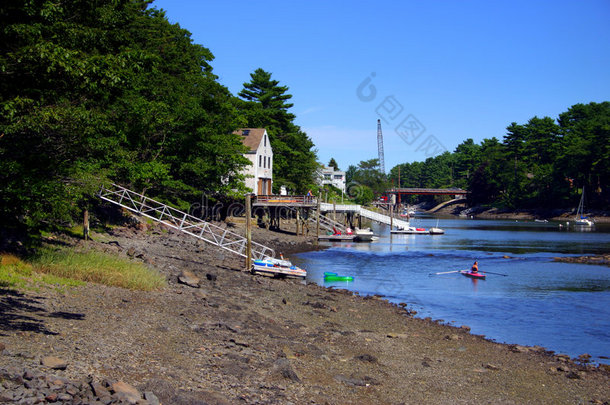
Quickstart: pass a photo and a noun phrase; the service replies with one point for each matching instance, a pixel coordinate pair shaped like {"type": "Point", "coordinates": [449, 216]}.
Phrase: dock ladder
{"type": "Point", "coordinates": [182, 221]}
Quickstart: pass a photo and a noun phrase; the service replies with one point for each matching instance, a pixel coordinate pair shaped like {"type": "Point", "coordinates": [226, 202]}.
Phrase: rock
{"type": "Point", "coordinates": [283, 368]}
{"type": "Point", "coordinates": [131, 252]}
{"type": "Point", "coordinates": [519, 349]}
{"type": "Point", "coordinates": [99, 390]}
{"type": "Point", "coordinates": [366, 358]}
{"type": "Point", "coordinates": [563, 357]}
{"type": "Point", "coordinates": [211, 276]}
{"type": "Point", "coordinates": [357, 382]}
{"type": "Point", "coordinates": [126, 392]}
{"type": "Point", "coordinates": [54, 363]}
{"type": "Point", "coordinates": [189, 279]}
{"type": "Point", "coordinates": [452, 337]}
{"type": "Point", "coordinates": [151, 398]}
{"type": "Point", "coordinates": [573, 376]}
{"type": "Point", "coordinates": [490, 366]}
{"type": "Point", "coordinates": [465, 327]}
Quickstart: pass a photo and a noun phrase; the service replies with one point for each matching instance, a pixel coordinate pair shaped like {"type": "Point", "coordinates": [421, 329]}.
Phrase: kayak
{"type": "Point", "coordinates": [476, 276]}
{"type": "Point", "coordinates": [336, 277]}
{"type": "Point", "coordinates": [328, 273]}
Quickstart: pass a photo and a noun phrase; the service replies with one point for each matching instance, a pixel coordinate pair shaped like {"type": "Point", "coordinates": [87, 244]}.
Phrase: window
{"type": "Point", "coordinates": [245, 132]}
{"type": "Point", "coordinates": [326, 176]}
{"type": "Point", "coordinates": [265, 136]}
{"type": "Point", "coordinates": [338, 176]}
{"type": "Point", "coordinates": [260, 161]}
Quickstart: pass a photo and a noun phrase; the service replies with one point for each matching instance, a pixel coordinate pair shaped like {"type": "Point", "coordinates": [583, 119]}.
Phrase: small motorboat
{"type": "Point", "coordinates": [475, 276]}
{"type": "Point", "coordinates": [277, 267]}
{"type": "Point", "coordinates": [411, 231]}
{"type": "Point", "coordinates": [364, 234]}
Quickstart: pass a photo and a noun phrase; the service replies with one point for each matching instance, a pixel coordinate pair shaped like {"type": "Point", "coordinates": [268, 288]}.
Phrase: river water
{"type": "Point", "coordinates": [563, 307]}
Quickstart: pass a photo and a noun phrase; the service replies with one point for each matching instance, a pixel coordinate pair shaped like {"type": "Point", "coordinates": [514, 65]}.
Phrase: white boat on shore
{"type": "Point", "coordinates": [277, 267]}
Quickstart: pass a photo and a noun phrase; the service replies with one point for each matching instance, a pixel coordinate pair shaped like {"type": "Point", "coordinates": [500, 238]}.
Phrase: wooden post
{"type": "Point", "coordinates": [248, 231]}
{"type": "Point", "coordinates": [86, 224]}
{"type": "Point", "coordinates": [318, 218]}
{"type": "Point", "coordinates": [334, 211]}
{"type": "Point", "coordinates": [298, 220]}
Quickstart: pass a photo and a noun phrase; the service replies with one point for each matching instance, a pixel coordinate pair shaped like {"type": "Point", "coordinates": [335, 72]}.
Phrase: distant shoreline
{"type": "Point", "coordinates": [558, 215]}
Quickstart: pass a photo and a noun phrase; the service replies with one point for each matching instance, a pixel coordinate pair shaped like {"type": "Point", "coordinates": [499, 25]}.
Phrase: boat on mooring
{"type": "Point", "coordinates": [364, 234]}
{"type": "Point", "coordinates": [411, 230]}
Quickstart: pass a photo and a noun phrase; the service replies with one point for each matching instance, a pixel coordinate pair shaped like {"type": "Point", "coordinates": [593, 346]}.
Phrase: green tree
{"type": "Point", "coordinates": [93, 92]}
{"type": "Point", "coordinates": [332, 163]}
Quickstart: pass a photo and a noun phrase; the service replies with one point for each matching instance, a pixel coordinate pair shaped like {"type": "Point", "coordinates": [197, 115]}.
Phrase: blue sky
{"type": "Point", "coordinates": [435, 72]}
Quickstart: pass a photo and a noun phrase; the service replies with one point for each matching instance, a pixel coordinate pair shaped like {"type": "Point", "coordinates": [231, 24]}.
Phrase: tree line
{"type": "Point", "coordinates": [93, 92]}
{"type": "Point", "coordinates": [543, 163]}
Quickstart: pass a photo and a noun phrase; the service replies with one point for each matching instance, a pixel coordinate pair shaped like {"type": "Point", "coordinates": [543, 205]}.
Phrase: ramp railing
{"type": "Point", "coordinates": [182, 221]}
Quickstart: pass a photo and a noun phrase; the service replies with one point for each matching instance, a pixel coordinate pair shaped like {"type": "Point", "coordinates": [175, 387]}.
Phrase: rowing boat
{"type": "Point", "coordinates": [336, 277]}
{"type": "Point", "coordinates": [476, 276]}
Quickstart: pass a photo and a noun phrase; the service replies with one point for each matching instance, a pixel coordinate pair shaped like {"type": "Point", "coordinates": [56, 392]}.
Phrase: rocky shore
{"type": "Point", "coordinates": [218, 335]}
{"type": "Point", "coordinates": [558, 215]}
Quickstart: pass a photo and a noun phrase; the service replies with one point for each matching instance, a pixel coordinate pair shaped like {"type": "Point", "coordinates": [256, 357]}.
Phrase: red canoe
{"type": "Point", "coordinates": [476, 276]}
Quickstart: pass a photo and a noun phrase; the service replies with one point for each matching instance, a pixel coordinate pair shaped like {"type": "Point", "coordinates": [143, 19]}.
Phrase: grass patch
{"type": "Point", "coordinates": [67, 267]}
{"type": "Point", "coordinates": [15, 273]}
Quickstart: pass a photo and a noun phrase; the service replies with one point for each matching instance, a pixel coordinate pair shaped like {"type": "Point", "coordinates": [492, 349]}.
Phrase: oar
{"type": "Point", "coordinates": [499, 274]}
{"type": "Point", "coordinates": [446, 272]}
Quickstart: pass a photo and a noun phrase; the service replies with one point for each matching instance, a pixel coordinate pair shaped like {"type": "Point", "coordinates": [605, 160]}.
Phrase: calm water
{"type": "Point", "coordinates": [562, 307]}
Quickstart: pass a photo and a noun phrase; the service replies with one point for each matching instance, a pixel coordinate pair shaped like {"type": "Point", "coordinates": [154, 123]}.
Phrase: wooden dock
{"type": "Point", "coordinates": [337, 238]}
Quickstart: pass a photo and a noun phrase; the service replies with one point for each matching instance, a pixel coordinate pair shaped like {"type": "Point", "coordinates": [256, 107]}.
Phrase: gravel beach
{"type": "Point", "coordinates": [218, 335]}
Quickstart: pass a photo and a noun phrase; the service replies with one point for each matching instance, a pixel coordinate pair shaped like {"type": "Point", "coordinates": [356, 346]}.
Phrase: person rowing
{"type": "Point", "coordinates": [475, 267]}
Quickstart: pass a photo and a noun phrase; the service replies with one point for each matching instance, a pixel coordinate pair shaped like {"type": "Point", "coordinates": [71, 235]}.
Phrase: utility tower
{"type": "Point", "coordinates": [380, 147]}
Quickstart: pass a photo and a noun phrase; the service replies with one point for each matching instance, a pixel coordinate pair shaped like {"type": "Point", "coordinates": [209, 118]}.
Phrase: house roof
{"type": "Point", "coordinates": [251, 137]}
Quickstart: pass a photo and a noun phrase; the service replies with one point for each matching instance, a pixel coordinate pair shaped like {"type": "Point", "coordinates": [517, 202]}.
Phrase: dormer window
{"type": "Point", "coordinates": [245, 132]}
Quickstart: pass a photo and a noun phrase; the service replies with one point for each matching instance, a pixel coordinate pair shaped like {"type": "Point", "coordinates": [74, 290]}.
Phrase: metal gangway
{"type": "Point", "coordinates": [372, 215]}
{"type": "Point", "coordinates": [182, 221]}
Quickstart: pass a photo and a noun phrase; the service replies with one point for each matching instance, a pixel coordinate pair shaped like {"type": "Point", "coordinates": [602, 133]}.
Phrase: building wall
{"type": "Point", "coordinates": [330, 176]}
{"type": "Point", "coordinates": [262, 165]}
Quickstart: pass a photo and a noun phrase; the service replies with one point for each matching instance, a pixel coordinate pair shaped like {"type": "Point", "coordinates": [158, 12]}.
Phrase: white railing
{"type": "Point", "coordinates": [182, 221]}
{"type": "Point", "coordinates": [374, 216]}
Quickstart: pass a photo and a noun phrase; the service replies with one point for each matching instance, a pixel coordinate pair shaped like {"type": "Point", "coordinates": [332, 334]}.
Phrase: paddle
{"type": "Point", "coordinates": [446, 272]}
{"type": "Point", "coordinates": [499, 274]}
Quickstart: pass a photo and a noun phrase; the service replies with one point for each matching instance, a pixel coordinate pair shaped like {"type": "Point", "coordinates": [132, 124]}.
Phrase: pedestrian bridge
{"type": "Point", "coordinates": [427, 191]}
{"type": "Point", "coordinates": [363, 212]}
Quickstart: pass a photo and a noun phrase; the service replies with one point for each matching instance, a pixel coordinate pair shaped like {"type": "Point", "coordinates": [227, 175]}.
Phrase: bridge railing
{"type": "Point", "coordinates": [299, 200]}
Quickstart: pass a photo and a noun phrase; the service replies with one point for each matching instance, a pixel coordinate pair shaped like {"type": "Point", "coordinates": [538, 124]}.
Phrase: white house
{"type": "Point", "coordinates": [260, 173]}
{"type": "Point", "coordinates": [328, 175]}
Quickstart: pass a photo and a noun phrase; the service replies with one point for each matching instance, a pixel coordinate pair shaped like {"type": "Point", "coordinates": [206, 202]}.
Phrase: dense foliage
{"type": "Point", "coordinates": [92, 92]}
{"type": "Point", "coordinates": [365, 181]}
{"type": "Point", "coordinates": [265, 105]}
{"type": "Point", "coordinates": [543, 163]}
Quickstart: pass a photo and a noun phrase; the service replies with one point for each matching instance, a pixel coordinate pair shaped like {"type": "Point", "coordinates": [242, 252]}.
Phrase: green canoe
{"type": "Point", "coordinates": [335, 277]}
